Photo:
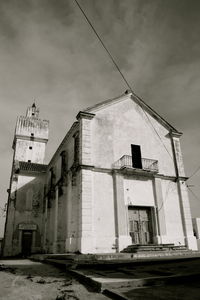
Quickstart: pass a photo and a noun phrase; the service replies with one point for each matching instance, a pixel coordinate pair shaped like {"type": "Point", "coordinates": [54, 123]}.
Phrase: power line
{"type": "Point", "coordinates": [157, 133]}
{"type": "Point", "coordinates": [166, 195]}
{"type": "Point", "coordinates": [117, 67]}
{"type": "Point", "coordinates": [104, 46]}
{"type": "Point", "coordinates": [197, 170]}
{"type": "Point", "coordinates": [194, 195]}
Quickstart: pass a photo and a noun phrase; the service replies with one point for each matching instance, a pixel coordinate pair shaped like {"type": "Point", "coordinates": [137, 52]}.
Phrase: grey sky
{"type": "Point", "coordinates": [49, 53]}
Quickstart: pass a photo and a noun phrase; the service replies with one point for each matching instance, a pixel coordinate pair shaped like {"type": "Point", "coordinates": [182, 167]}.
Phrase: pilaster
{"type": "Point", "coordinates": [178, 154]}
{"type": "Point", "coordinates": [85, 137]}
{"type": "Point", "coordinates": [55, 235]}
{"type": "Point", "coordinates": [45, 217]}
{"type": "Point", "coordinates": [86, 237]}
{"type": "Point", "coordinates": [123, 238]}
{"type": "Point", "coordinates": [160, 213]}
{"type": "Point", "coordinates": [190, 239]}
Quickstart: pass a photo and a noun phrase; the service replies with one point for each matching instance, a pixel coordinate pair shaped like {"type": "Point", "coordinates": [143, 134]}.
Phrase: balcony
{"type": "Point", "coordinates": [149, 165]}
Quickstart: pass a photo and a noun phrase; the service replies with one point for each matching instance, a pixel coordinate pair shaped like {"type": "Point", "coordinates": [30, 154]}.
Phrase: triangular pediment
{"type": "Point", "coordinates": [129, 95]}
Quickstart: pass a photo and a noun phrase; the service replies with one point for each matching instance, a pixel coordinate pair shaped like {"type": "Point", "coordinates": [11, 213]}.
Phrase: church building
{"type": "Point", "coordinates": [117, 179]}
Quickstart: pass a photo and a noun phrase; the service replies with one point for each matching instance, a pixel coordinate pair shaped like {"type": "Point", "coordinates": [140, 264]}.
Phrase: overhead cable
{"type": "Point", "coordinates": [104, 46]}
{"type": "Point", "coordinates": [194, 173]}
{"type": "Point", "coordinates": [117, 67]}
{"type": "Point", "coordinates": [194, 195]}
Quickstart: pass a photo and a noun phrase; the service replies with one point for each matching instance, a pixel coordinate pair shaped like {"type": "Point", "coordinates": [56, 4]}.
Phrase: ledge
{"type": "Point", "coordinates": [85, 115]}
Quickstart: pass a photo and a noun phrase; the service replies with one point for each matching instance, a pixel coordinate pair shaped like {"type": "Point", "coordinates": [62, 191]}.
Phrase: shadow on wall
{"type": "Point", "coordinates": [27, 202]}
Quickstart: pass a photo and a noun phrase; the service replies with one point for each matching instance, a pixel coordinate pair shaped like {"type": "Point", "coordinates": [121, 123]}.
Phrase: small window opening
{"type": "Point", "coordinates": [32, 134]}
{"type": "Point", "coordinates": [29, 160]}
{"type": "Point", "coordinates": [33, 114]}
{"type": "Point", "coordinates": [30, 147]}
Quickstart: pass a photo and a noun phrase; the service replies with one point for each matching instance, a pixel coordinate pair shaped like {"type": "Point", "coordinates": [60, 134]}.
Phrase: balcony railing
{"type": "Point", "coordinates": [147, 164]}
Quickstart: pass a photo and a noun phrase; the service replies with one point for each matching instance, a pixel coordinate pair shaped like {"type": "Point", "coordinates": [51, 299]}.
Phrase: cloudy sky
{"type": "Point", "coordinates": [50, 54]}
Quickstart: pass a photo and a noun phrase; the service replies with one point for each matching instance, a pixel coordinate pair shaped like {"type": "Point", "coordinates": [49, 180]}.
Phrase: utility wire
{"type": "Point", "coordinates": [197, 170]}
{"type": "Point", "coordinates": [104, 46]}
{"type": "Point", "coordinates": [117, 67]}
{"type": "Point", "coordinates": [127, 83]}
{"type": "Point", "coordinates": [169, 190]}
{"type": "Point", "coordinates": [194, 195]}
{"type": "Point", "coordinates": [166, 195]}
{"type": "Point", "coordinates": [157, 133]}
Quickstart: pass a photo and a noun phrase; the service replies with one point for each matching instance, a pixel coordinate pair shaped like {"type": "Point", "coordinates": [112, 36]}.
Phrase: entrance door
{"type": "Point", "coordinates": [140, 225]}
{"type": "Point", "coordinates": [26, 242]}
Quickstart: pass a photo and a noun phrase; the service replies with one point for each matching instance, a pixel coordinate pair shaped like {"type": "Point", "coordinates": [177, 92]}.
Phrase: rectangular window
{"type": "Point", "coordinates": [76, 148]}
{"type": "Point", "coordinates": [30, 147]}
{"type": "Point", "coordinates": [63, 163]}
{"type": "Point", "coordinates": [136, 156]}
{"type": "Point", "coordinates": [52, 178]}
{"type": "Point", "coordinates": [51, 183]}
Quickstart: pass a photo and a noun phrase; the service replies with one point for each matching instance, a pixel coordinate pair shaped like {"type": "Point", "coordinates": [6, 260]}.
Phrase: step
{"type": "Point", "coordinates": [162, 247]}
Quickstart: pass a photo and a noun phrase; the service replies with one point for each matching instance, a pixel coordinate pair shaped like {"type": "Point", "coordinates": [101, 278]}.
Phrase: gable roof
{"type": "Point", "coordinates": [139, 101]}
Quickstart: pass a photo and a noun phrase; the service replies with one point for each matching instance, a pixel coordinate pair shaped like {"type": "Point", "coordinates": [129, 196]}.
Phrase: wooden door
{"type": "Point", "coordinates": [140, 225]}
{"type": "Point", "coordinates": [26, 242]}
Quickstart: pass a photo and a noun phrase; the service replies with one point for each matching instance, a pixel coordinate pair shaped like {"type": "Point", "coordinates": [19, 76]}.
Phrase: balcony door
{"type": "Point", "coordinates": [140, 225]}
{"type": "Point", "coordinates": [136, 156]}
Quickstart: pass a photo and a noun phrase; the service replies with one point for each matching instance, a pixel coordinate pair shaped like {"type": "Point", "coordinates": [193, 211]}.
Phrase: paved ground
{"type": "Point", "coordinates": [190, 291]}
{"type": "Point", "coordinates": [27, 280]}
{"type": "Point", "coordinates": [147, 281]}
{"type": "Point", "coordinates": [143, 270]}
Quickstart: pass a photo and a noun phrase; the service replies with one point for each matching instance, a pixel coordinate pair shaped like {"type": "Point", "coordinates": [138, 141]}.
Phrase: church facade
{"type": "Point", "coordinates": [116, 179]}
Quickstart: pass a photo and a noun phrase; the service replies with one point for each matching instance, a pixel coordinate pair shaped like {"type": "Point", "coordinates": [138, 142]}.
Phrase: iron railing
{"type": "Point", "coordinates": [147, 164]}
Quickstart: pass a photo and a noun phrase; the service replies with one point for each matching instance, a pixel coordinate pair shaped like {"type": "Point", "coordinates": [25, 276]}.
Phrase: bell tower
{"type": "Point", "coordinates": [31, 136]}
{"type": "Point", "coordinates": [25, 193]}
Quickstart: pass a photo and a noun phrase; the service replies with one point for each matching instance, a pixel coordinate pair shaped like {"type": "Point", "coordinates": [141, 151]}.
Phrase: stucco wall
{"type": "Point", "coordinates": [103, 213]}
{"type": "Point", "coordinates": [119, 125]}
{"type": "Point", "coordinates": [138, 191]}
{"type": "Point", "coordinates": [36, 154]}
{"type": "Point", "coordinates": [172, 210]}
{"type": "Point", "coordinates": [62, 235]}
{"type": "Point", "coordinates": [28, 206]}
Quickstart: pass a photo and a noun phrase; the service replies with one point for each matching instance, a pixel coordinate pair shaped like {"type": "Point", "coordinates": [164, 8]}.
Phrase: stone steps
{"type": "Point", "coordinates": [154, 248]}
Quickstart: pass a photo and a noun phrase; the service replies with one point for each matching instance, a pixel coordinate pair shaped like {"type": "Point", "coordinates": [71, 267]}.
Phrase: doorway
{"type": "Point", "coordinates": [140, 225]}
{"type": "Point", "coordinates": [26, 242]}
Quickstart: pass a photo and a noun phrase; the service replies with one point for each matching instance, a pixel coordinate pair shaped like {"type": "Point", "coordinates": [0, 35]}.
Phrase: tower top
{"type": "Point", "coordinates": [31, 128]}
{"type": "Point", "coordinates": [33, 111]}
